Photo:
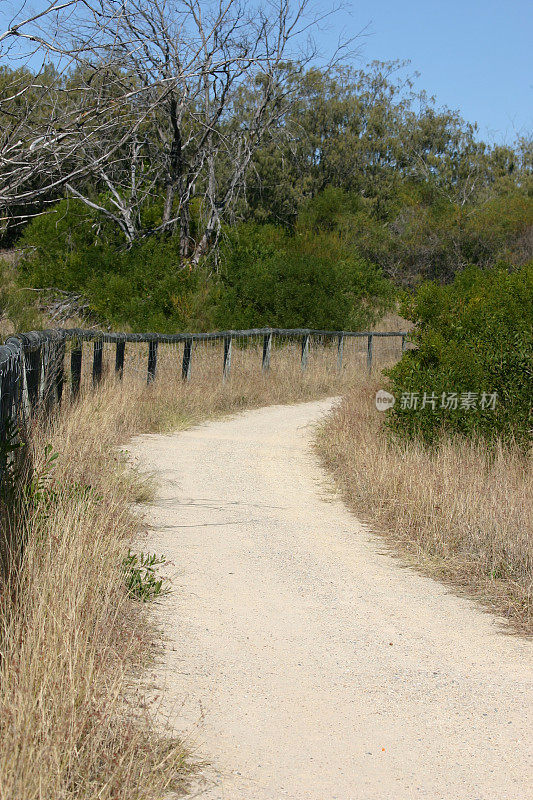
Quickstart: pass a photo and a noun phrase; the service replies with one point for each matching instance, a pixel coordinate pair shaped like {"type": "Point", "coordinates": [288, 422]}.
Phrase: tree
{"type": "Point", "coordinates": [210, 79]}
{"type": "Point", "coordinates": [45, 120]}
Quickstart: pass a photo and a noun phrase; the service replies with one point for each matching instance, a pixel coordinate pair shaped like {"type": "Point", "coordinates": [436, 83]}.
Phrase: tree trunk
{"type": "Point", "coordinates": [185, 232]}
{"type": "Point", "coordinates": [211, 232]}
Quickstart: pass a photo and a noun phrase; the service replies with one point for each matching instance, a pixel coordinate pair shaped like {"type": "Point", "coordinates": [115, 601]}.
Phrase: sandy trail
{"type": "Point", "coordinates": [303, 661]}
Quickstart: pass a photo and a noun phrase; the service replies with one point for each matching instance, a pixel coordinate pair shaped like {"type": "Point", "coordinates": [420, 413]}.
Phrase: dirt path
{"type": "Point", "coordinates": [304, 662]}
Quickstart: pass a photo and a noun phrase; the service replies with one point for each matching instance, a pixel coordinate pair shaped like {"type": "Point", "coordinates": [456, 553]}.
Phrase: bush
{"type": "Point", "coordinates": [272, 278]}
{"type": "Point", "coordinates": [474, 335]}
{"type": "Point", "coordinates": [143, 288]}
{"type": "Point", "coordinates": [268, 277]}
{"type": "Point", "coordinates": [140, 576]}
{"type": "Point", "coordinates": [18, 309]}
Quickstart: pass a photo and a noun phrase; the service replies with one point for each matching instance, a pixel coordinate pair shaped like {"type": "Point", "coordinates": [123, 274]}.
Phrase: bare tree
{"type": "Point", "coordinates": [210, 79]}
{"type": "Point", "coordinates": [21, 27]}
{"type": "Point", "coordinates": [28, 98]}
{"type": "Point", "coordinates": [56, 94]}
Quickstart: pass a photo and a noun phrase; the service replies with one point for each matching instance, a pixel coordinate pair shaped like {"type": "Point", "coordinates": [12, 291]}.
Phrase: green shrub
{"type": "Point", "coordinates": [268, 277]}
{"type": "Point", "coordinates": [474, 335]}
{"type": "Point", "coordinates": [272, 278]}
{"type": "Point", "coordinates": [18, 306]}
{"type": "Point", "coordinates": [140, 576]}
{"type": "Point", "coordinates": [144, 288]}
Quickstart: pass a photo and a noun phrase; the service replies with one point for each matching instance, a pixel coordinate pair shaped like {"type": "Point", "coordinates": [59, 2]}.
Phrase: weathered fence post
{"type": "Point", "coordinates": [369, 353]}
{"type": "Point", "coordinates": [33, 374]}
{"type": "Point", "coordinates": [119, 359]}
{"type": "Point", "coordinates": [152, 360]}
{"type": "Point", "coordinates": [340, 351]}
{"type": "Point", "coordinates": [305, 351]}
{"type": "Point", "coordinates": [25, 407]}
{"type": "Point", "coordinates": [6, 413]}
{"type": "Point", "coordinates": [227, 357]}
{"type": "Point", "coordinates": [43, 372]}
{"type": "Point", "coordinates": [10, 399]}
{"type": "Point", "coordinates": [404, 344]}
{"type": "Point", "coordinates": [75, 367]}
{"type": "Point", "coordinates": [186, 363]}
{"type": "Point", "coordinates": [48, 375]}
{"type": "Point", "coordinates": [267, 349]}
{"type": "Point", "coordinates": [18, 371]}
{"type": "Point", "coordinates": [98, 353]}
{"type": "Point", "coordinates": [60, 370]}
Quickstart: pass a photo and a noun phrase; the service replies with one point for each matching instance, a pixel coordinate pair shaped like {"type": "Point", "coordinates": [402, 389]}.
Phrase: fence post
{"type": "Point", "coordinates": [43, 371]}
{"type": "Point", "coordinates": [18, 378]}
{"type": "Point", "coordinates": [267, 349]}
{"type": "Point", "coordinates": [60, 370]}
{"type": "Point", "coordinates": [6, 412]}
{"type": "Point", "coordinates": [48, 385]}
{"type": "Point", "coordinates": [404, 345]}
{"type": "Point", "coordinates": [75, 367]}
{"type": "Point", "coordinates": [152, 360]}
{"type": "Point", "coordinates": [340, 351]}
{"type": "Point", "coordinates": [98, 352]}
{"type": "Point", "coordinates": [32, 364]}
{"type": "Point", "coordinates": [369, 353]}
{"type": "Point", "coordinates": [227, 357]}
{"type": "Point", "coordinates": [119, 359]}
{"type": "Point", "coordinates": [186, 363]}
{"type": "Point", "coordinates": [305, 351]}
{"type": "Point", "coordinates": [25, 407]}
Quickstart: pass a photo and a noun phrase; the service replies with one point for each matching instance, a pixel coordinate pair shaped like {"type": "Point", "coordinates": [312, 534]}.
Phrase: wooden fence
{"type": "Point", "coordinates": [32, 365]}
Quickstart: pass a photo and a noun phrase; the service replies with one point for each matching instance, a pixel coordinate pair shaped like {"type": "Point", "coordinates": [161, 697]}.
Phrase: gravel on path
{"type": "Point", "coordinates": [301, 660]}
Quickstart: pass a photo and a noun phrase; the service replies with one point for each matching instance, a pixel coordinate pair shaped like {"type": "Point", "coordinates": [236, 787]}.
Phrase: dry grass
{"type": "Point", "coordinates": [170, 404]}
{"type": "Point", "coordinates": [392, 321]}
{"type": "Point", "coordinates": [75, 723]}
{"type": "Point", "coordinates": [460, 513]}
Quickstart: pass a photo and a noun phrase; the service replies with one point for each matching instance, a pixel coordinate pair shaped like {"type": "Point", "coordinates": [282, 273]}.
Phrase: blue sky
{"type": "Point", "coordinates": [473, 55]}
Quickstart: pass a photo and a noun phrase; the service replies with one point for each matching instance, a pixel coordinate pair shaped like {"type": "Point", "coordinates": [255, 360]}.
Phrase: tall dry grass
{"type": "Point", "coordinates": [460, 512]}
{"type": "Point", "coordinates": [75, 722]}
{"type": "Point", "coordinates": [169, 403]}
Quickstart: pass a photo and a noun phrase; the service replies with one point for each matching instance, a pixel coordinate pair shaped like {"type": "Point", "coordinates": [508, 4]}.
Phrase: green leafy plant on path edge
{"type": "Point", "coordinates": [140, 576]}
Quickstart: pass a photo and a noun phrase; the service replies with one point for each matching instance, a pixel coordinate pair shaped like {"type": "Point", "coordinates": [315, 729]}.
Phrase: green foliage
{"type": "Point", "coordinates": [144, 288]}
{"type": "Point", "coordinates": [474, 335]}
{"type": "Point", "coordinates": [425, 234]}
{"type": "Point", "coordinates": [330, 210]}
{"type": "Point", "coordinates": [17, 304]}
{"type": "Point", "coordinates": [38, 489]}
{"type": "Point", "coordinates": [320, 273]}
{"type": "Point", "coordinates": [140, 576]}
{"type": "Point", "coordinates": [268, 275]}
{"type": "Point", "coordinates": [362, 169]}
{"type": "Point", "coordinates": [41, 494]}
{"type": "Point", "coordinates": [272, 278]}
